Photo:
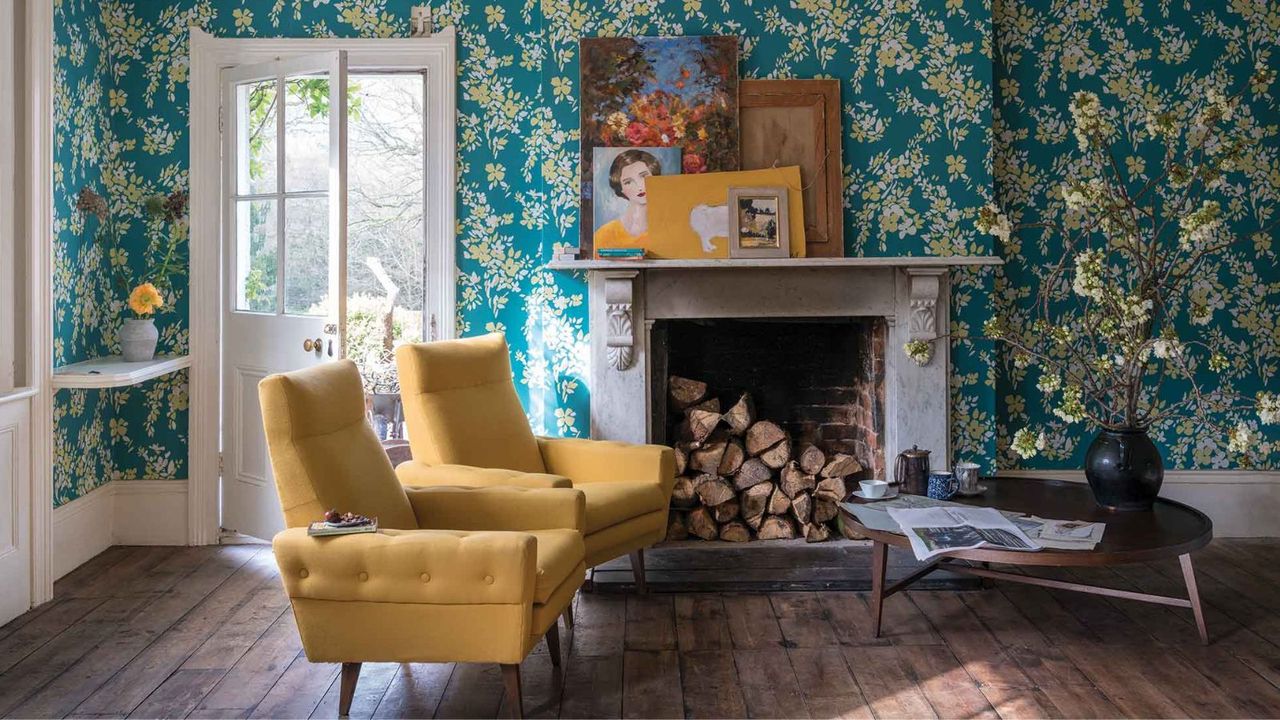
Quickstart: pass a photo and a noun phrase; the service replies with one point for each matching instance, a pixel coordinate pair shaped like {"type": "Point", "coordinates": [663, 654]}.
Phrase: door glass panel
{"type": "Point", "coordinates": [256, 169]}
{"type": "Point", "coordinates": [256, 261]}
{"type": "Point", "coordinates": [306, 133]}
{"type": "Point", "coordinates": [306, 254]}
{"type": "Point", "coordinates": [386, 248]}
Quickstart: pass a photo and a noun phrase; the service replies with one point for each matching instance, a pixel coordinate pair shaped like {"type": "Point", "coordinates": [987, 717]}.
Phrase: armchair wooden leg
{"type": "Point", "coordinates": [568, 617]}
{"type": "Point", "coordinates": [553, 644]}
{"type": "Point", "coordinates": [511, 680]}
{"type": "Point", "coordinates": [347, 687]}
{"type": "Point", "coordinates": [637, 567]}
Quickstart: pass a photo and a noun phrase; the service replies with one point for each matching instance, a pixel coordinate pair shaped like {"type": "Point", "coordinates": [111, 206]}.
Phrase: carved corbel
{"type": "Point", "coordinates": [924, 286]}
{"type": "Point", "coordinates": [619, 295]}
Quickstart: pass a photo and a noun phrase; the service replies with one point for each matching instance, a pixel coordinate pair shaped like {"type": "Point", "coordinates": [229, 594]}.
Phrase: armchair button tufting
{"type": "Point", "coordinates": [488, 579]}
{"type": "Point", "coordinates": [303, 573]}
{"type": "Point", "coordinates": [426, 577]}
{"type": "Point", "coordinates": [364, 576]}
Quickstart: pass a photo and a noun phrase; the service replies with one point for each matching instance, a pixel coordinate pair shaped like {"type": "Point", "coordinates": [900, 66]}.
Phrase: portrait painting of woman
{"type": "Point", "coordinates": [621, 202]}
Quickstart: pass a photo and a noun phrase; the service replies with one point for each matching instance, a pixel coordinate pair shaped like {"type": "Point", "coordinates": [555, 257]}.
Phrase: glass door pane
{"type": "Point", "coordinates": [386, 265]}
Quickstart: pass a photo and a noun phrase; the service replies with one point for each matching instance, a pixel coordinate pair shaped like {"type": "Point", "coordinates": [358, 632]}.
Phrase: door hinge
{"type": "Point", "coordinates": [433, 334]}
{"type": "Point", "coordinates": [219, 463]}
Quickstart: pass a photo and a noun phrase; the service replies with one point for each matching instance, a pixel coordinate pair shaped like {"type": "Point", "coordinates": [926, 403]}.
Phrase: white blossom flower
{"type": "Point", "coordinates": [1026, 445]}
{"type": "Point", "coordinates": [1167, 349]}
{"type": "Point", "coordinates": [1086, 111]}
{"type": "Point", "coordinates": [992, 221]}
{"type": "Point", "coordinates": [1134, 311]}
{"type": "Point", "coordinates": [1269, 408]}
{"type": "Point", "coordinates": [1072, 407]}
{"type": "Point", "coordinates": [919, 350]}
{"type": "Point", "coordinates": [1088, 279]}
{"type": "Point", "coordinates": [1049, 383]}
{"type": "Point", "coordinates": [1200, 314]}
{"type": "Point", "coordinates": [1238, 438]}
{"type": "Point", "coordinates": [1200, 226]}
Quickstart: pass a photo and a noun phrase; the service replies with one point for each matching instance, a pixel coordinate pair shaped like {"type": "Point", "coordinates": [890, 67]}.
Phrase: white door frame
{"type": "Point", "coordinates": [209, 55]}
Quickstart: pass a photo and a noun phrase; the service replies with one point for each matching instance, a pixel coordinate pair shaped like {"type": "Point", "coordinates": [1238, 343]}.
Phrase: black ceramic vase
{"type": "Point", "coordinates": [1124, 469]}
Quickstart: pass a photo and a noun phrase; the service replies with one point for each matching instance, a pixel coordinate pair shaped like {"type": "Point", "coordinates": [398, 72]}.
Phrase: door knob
{"type": "Point", "coordinates": [308, 345]}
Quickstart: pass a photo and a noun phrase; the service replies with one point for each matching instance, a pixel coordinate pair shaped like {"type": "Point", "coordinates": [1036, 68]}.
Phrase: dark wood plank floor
{"type": "Point", "coordinates": [207, 632]}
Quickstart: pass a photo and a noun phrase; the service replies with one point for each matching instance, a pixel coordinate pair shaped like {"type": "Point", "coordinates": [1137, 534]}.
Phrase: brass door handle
{"type": "Point", "coordinates": [308, 345]}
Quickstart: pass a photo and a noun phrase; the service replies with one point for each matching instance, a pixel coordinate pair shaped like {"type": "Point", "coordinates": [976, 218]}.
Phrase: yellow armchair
{"type": "Point", "coordinates": [453, 575]}
{"type": "Point", "coordinates": [466, 427]}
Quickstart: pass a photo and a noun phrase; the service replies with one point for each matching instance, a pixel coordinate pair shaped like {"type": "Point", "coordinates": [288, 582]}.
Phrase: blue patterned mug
{"type": "Point", "coordinates": [942, 485]}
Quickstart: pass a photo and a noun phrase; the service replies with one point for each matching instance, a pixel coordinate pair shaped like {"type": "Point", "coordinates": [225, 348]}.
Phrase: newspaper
{"type": "Point", "coordinates": [875, 516]}
{"type": "Point", "coordinates": [1062, 534]}
{"type": "Point", "coordinates": [937, 530]}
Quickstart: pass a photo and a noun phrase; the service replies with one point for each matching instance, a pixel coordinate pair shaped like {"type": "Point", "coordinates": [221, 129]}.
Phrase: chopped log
{"type": "Point", "coordinates": [735, 532]}
{"type": "Point", "coordinates": [701, 423]}
{"type": "Point", "coordinates": [777, 527]}
{"type": "Point", "coordinates": [741, 415]}
{"type": "Point", "coordinates": [701, 524]}
{"type": "Point", "coordinates": [682, 434]}
{"type": "Point", "coordinates": [684, 392]}
{"type": "Point", "coordinates": [823, 510]}
{"type": "Point", "coordinates": [830, 489]}
{"type": "Point", "coordinates": [682, 493]}
{"type": "Point", "coordinates": [796, 481]}
{"type": "Point", "coordinates": [802, 507]}
{"type": "Point", "coordinates": [841, 465]}
{"type": "Point", "coordinates": [777, 456]}
{"type": "Point", "coordinates": [710, 405]}
{"type": "Point", "coordinates": [706, 459]}
{"type": "Point", "coordinates": [714, 491]}
{"type": "Point", "coordinates": [754, 500]}
{"type": "Point", "coordinates": [677, 528]}
{"type": "Point", "coordinates": [763, 435]}
{"type": "Point", "coordinates": [732, 459]}
{"type": "Point", "coordinates": [812, 459]}
{"type": "Point", "coordinates": [754, 521]}
{"type": "Point", "coordinates": [725, 511]}
{"type": "Point", "coordinates": [682, 458]}
{"type": "Point", "coordinates": [779, 503]}
{"type": "Point", "coordinates": [752, 472]}
{"type": "Point", "coordinates": [817, 532]}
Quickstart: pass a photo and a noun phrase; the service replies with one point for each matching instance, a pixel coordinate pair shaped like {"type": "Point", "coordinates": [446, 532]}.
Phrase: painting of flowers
{"type": "Point", "coordinates": [659, 92]}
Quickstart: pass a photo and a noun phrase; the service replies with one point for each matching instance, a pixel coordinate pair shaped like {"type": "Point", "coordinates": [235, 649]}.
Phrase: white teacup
{"type": "Point", "coordinates": [873, 488]}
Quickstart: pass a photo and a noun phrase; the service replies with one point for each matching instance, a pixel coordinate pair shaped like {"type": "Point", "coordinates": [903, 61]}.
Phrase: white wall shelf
{"type": "Point", "coordinates": [113, 371]}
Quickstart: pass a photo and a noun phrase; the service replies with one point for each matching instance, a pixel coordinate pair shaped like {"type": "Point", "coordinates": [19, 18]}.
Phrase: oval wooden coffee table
{"type": "Point", "coordinates": [1170, 529]}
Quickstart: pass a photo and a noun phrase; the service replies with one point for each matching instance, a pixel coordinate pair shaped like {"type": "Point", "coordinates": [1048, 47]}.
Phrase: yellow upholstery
{"type": "Point", "coordinates": [462, 410]}
{"type": "Point", "coordinates": [483, 584]}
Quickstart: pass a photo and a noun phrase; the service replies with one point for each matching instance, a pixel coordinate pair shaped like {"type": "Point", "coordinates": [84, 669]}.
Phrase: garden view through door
{"type": "Point", "coordinates": [325, 252]}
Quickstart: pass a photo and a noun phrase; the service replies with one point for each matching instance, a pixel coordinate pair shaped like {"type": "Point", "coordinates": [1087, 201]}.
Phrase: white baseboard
{"type": "Point", "coordinates": [122, 512]}
{"type": "Point", "coordinates": [1241, 503]}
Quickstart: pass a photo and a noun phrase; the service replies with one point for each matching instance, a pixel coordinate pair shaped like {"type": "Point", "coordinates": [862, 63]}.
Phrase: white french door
{"type": "Point", "coordinates": [284, 226]}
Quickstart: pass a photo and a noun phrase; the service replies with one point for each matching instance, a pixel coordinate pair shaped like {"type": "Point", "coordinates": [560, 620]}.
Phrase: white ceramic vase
{"type": "Point", "coordinates": [138, 338]}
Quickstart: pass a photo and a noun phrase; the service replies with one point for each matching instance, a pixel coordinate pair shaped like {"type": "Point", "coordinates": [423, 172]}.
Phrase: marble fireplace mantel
{"type": "Point", "coordinates": [911, 293]}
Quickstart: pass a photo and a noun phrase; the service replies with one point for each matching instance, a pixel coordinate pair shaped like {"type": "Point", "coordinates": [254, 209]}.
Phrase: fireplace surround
{"type": "Point", "coordinates": [910, 295]}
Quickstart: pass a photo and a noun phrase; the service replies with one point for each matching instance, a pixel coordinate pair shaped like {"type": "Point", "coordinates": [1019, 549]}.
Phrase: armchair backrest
{"type": "Point", "coordinates": [461, 406]}
{"type": "Point", "coordinates": [323, 451]}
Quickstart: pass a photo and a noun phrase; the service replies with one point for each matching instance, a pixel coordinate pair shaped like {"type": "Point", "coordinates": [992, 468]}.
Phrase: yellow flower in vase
{"type": "Point", "coordinates": [145, 299]}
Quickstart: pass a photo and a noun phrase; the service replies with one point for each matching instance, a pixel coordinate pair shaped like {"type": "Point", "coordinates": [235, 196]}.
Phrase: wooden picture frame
{"type": "Point", "coordinates": [798, 122]}
{"type": "Point", "coordinates": [759, 222]}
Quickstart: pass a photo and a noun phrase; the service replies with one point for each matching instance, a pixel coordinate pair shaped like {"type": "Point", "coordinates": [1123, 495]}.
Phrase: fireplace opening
{"type": "Point", "coordinates": [819, 381]}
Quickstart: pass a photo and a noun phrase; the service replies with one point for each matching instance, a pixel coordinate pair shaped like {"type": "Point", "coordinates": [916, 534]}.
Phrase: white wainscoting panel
{"type": "Point", "coordinates": [1241, 503]}
{"type": "Point", "coordinates": [122, 512]}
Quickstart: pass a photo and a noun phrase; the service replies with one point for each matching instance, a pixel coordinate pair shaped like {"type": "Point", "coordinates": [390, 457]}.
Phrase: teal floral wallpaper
{"type": "Point", "coordinates": [924, 104]}
{"type": "Point", "coordinates": [1140, 58]}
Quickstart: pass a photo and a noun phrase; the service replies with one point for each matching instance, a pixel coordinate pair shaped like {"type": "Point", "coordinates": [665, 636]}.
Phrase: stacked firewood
{"type": "Point", "coordinates": [741, 478]}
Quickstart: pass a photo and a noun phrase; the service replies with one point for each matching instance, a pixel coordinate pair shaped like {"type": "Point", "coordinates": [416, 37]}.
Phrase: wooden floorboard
{"type": "Point", "coordinates": [208, 632]}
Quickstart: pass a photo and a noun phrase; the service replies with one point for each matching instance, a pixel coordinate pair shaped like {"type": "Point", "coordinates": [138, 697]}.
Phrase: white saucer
{"type": "Point", "coordinates": [981, 489]}
{"type": "Point", "coordinates": [891, 492]}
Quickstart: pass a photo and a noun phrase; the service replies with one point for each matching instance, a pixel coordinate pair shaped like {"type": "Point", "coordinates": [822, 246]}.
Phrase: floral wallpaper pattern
{"type": "Point", "coordinates": [922, 110]}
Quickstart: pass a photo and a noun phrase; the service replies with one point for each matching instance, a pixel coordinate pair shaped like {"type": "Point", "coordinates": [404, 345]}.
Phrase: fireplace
{"type": "Point", "coordinates": [820, 379]}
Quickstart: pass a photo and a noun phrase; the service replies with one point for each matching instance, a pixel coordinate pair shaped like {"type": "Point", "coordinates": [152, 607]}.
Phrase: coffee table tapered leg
{"type": "Point", "coordinates": [879, 558]}
{"type": "Point", "coordinates": [1193, 594]}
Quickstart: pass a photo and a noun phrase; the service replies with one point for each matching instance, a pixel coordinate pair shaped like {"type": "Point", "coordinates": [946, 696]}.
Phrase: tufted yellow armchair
{"type": "Point", "coordinates": [466, 427]}
{"type": "Point", "coordinates": [453, 574]}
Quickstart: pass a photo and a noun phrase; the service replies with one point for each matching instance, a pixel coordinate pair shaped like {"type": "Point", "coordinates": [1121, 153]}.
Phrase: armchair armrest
{"type": "Point", "coordinates": [409, 566]}
{"type": "Point", "coordinates": [415, 473]}
{"type": "Point", "coordinates": [499, 508]}
{"type": "Point", "coordinates": [588, 461]}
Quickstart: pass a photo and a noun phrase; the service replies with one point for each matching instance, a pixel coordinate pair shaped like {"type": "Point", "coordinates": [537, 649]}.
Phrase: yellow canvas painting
{"type": "Point", "coordinates": [688, 218]}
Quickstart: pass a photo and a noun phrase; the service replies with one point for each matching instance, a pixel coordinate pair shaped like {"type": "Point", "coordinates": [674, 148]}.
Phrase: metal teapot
{"type": "Point", "coordinates": [911, 471]}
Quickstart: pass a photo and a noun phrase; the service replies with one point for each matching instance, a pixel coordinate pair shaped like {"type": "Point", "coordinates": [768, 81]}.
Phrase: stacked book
{"type": "Point", "coordinates": [620, 253]}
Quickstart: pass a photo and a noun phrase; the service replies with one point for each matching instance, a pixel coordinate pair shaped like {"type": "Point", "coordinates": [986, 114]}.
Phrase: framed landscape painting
{"type": "Point", "coordinates": [654, 92]}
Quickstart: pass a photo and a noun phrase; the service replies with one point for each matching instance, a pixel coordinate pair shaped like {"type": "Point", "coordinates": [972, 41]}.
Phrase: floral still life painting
{"type": "Point", "coordinates": [679, 92]}
{"type": "Point", "coordinates": [620, 199]}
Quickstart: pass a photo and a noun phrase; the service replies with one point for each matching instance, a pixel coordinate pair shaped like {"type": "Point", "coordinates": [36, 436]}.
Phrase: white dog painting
{"type": "Point", "coordinates": [710, 221]}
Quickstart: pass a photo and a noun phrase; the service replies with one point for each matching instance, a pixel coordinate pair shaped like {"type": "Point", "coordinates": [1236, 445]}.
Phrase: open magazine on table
{"type": "Point", "coordinates": [936, 530]}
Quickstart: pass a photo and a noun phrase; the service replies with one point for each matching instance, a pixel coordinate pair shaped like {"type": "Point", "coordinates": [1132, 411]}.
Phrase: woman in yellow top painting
{"type": "Point", "coordinates": [630, 167]}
